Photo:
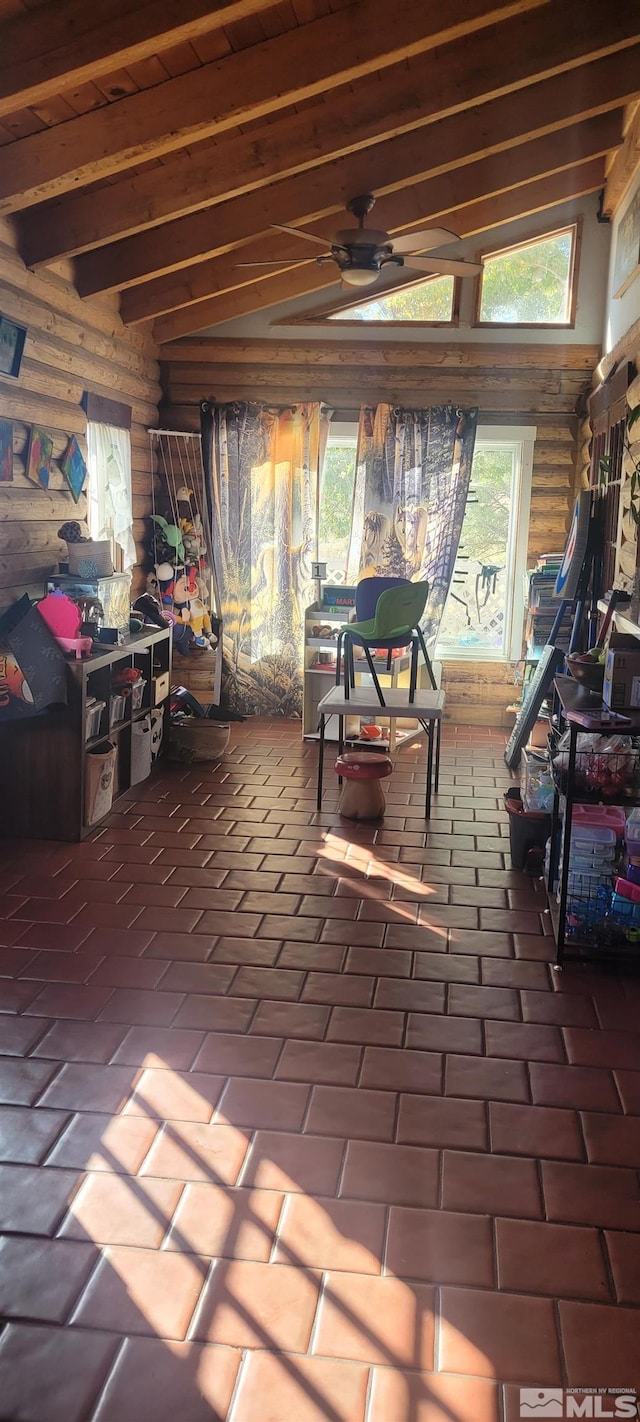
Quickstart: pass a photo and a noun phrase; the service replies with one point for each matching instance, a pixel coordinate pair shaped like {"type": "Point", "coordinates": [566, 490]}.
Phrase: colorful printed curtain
{"type": "Point", "coordinates": [263, 468]}
{"type": "Point", "coordinates": [411, 486]}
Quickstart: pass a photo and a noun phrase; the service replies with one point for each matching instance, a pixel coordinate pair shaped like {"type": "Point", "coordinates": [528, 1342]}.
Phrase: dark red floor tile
{"type": "Point", "coordinates": [375, 1320]}
{"type": "Point", "coordinates": [624, 1257]}
{"type": "Point", "coordinates": [308, 1164]}
{"type": "Point", "coordinates": [366, 1025]}
{"type": "Point", "coordinates": [527, 1041]}
{"type": "Point", "coordinates": [592, 1195]}
{"type": "Point", "coordinates": [434, 1121]}
{"type": "Point", "coordinates": [81, 1087]}
{"type": "Point", "coordinates": [444, 1034]}
{"type": "Point", "coordinates": [52, 1372]}
{"type": "Point", "coordinates": [33, 1200]}
{"type": "Point", "coordinates": [443, 1247]}
{"type": "Point", "coordinates": [394, 1069]}
{"type": "Point", "coordinates": [556, 1260]}
{"type": "Point", "coordinates": [98, 1141]}
{"type": "Point", "coordinates": [19, 1034]}
{"type": "Point", "coordinates": [600, 1344]}
{"type": "Point", "coordinates": [331, 1234]}
{"type": "Point", "coordinates": [80, 1042]}
{"type": "Point", "coordinates": [496, 1079]}
{"type": "Point", "coordinates": [26, 1135]}
{"type": "Point", "coordinates": [314, 1062]}
{"type": "Point", "coordinates": [504, 1335]}
{"type": "Point", "coordinates": [192, 1377]}
{"type": "Point", "coordinates": [22, 1080]}
{"type": "Point", "coordinates": [341, 1111]}
{"type": "Point", "coordinates": [585, 1088]}
{"type": "Point", "coordinates": [159, 1047]}
{"type": "Point", "coordinates": [77, 1002]}
{"type": "Point", "coordinates": [491, 1184]}
{"type": "Point", "coordinates": [535, 1131]}
{"type": "Point", "coordinates": [215, 1013]}
{"type": "Point", "coordinates": [612, 1140]}
{"type": "Point", "coordinates": [292, 1019]}
{"type": "Point", "coordinates": [141, 1291]}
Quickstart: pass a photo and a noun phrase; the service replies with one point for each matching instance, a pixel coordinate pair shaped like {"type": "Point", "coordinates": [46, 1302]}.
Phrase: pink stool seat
{"type": "Point", "coordinates": [363, 765]}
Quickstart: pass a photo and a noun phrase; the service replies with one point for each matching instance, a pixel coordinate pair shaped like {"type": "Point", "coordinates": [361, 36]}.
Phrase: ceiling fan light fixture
{"type": "Point", "coordinates": [359, 276]}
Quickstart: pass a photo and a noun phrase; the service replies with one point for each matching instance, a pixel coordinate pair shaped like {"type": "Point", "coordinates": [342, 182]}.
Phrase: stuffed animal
{"type": "Point", "coordinates": [167, 539]}
{"type": "Point", "coordinates": [174, 593]}
{"type": "Point", "coordinates": [204, 632]}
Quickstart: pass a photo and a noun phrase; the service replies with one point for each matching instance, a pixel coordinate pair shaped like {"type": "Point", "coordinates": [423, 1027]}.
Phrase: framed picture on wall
{"type": "Point", "coordinates": [39, 457]}
{"type": "Point", "coordinates": [12, 339]}
{"type": "Point", "coordinates": [627, 257]}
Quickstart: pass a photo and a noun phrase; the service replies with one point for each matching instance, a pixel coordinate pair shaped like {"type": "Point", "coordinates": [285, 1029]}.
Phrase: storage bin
{"type": "Point", "coordinates": [100, 775]}
{"type": "Point", "coordinates": [137, 694]}
{"type": "Point", "coordinates": [632, 832]}
{"type": "Point", "coordinates": [198, 739]}
{"type": "Point", "coordinates": [157, 730]}
{"type": "Point", "coordinates": [160, 687]}
{"type": "Point", "coordinates": [92, 718]}
{"type": "Point", "coordinates": [140, 750]}
{"type": "Point", "coordinates": [91, 559]}
{"type": "Point", "coordinates": [117, 709]}
{"type": "Point", "coordinates": [602, 816]}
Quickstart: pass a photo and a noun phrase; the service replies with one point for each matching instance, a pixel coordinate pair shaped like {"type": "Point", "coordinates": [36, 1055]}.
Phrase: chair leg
{"type": "Point", "coordinates": [389, 659]}
{"type": "Point", "coordinates": [338, 656]}
{"type": "Point", "coordinates": [429, 729]}
{"type": "Point", "coordinates": [320, 761]}
{"type": "Point", "coordinates": [346, 658]}
{"type": "Point", "coordinates": [427, 659]}
{"type": "Point", "coordinates": [374, 675]}
{"type": "Point", "coordinates": [437, 774]}
{"type": "Point", "coordinates": [413, 675]}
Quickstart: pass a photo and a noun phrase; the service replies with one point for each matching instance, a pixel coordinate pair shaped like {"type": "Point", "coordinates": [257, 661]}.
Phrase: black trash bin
{"type": "Point", "coordinates": [528, 829]}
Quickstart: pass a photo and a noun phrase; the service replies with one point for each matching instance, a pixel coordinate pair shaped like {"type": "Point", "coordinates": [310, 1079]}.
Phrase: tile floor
{"type": "Point", "coordinates": [298, 1123]}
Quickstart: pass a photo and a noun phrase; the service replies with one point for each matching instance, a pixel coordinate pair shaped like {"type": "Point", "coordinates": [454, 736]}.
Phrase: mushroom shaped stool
{"type": "Point", "coordinates": [362, 773]}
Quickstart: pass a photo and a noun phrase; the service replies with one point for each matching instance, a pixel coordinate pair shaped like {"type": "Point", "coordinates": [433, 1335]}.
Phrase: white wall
{"type": "Point", "coordinates": [590, 311]}
{"type": "Point", "coordinates": [621, 311]}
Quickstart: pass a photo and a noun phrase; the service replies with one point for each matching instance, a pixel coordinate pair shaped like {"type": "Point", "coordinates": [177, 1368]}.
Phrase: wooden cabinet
{"type": "Point", "coordinates": [43, 759]}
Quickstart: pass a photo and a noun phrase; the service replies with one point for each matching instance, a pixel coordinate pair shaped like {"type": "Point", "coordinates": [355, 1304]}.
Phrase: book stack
{"type": "Point", "coordinates": [542, 606]}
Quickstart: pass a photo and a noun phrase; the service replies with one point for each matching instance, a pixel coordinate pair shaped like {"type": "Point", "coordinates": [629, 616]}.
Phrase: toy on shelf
{"type": "Point", "coordinates": [63, 618]}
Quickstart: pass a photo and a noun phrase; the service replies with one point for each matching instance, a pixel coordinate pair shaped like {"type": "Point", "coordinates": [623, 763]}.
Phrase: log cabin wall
{"type": "Point", "coordinates": [511, 384]}
{"type": "Point", "coordinates": [72, 345]}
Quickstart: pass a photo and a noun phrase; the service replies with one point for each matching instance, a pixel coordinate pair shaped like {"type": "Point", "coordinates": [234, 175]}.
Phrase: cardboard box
{"type": "Point", "coordinates": [621, 690]}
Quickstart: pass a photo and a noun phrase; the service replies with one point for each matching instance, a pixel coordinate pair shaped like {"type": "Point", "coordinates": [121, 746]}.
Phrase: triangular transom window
{"type": "Point", "coordinates": [429, 300]}
{"type": "Point", "coordinates": [530, 284]}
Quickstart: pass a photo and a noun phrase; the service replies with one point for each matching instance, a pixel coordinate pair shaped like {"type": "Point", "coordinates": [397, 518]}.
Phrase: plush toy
{"type": "Point", "coordinates": [204, 632]}
{"type": "Point", "coordinates": [174, 594]}
{"type": "Point", "coordinates": [167, 540]}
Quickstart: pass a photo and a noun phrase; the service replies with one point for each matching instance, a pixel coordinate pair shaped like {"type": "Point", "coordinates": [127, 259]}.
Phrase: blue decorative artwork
{"type": "Point", "coordinates": [74, 468]}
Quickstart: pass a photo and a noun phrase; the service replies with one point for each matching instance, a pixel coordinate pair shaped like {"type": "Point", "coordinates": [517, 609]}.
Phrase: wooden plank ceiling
{"type": "Point", "coordinates": [156, 142]}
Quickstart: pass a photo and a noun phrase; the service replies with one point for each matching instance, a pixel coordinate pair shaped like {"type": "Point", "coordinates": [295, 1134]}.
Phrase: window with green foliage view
{"type": "Point", "coordinates": [430, 300]}
{"type": "Point", "coordinates": [531, 284]}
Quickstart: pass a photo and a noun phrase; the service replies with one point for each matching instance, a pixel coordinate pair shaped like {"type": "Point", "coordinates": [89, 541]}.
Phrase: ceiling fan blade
{"type": "Point", "coordinates": [298, 232]}
{"type": "Point", "coordinates": [294, 262]}
{"type": "Point", "coordinates": [425, 240]}
{"type": "Point", "coordinates": [441, 266]}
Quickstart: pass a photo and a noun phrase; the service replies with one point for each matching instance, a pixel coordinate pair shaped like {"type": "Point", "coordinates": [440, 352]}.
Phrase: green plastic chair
{"type": "Point", "coordinates": [397, 607]}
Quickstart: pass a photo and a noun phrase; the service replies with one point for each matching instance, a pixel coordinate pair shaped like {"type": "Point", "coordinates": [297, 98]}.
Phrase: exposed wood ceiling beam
{"type": "Point", "coordinates": [447, 192]}
{"type": "Point", "coordinates": [383, 168]}
{"type": "Point", "coordinates": [378, 107]}
{"type": "Point", "coordinates": [421, 355]}
{"type": "Point", "coordinates": [623, 168]}
{"type": "Point", "coordinates": [258, 293]}
{"type": "Point", "coordinates": [70, 42]}
{"type": "Point", "coordinates": [333, 50]}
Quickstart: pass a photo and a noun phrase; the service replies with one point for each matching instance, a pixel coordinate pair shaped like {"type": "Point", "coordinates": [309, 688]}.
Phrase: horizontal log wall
{"type": "Point", "coordinates": [511, 384]}
{"type": "Point", "coordinates": [71, 346]}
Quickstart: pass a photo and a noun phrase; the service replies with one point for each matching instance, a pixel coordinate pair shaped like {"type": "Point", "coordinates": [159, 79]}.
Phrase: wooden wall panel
{"type": "Point", "coordinates": [514, 384]}
{"type": "Point", "coordinates": [71, 346]}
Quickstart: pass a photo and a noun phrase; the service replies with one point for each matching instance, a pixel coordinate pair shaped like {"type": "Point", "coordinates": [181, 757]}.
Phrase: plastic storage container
{"type": "Point", "coordinates": [117, 709]}
{"type": "Point", "coordinates": [93, 716]}
{"type": "Point", "coordinates": [632, 833]}
{"type": "Point", "coordinates": [137, 694]}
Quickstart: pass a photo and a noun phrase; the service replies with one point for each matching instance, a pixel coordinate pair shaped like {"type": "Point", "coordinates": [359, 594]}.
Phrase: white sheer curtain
{"type": "Point", "coordinates": [109, 488]}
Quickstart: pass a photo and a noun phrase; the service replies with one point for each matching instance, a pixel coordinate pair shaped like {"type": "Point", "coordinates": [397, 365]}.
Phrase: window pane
{"type": "Point", "coordinates": [336, 501]}
{"type": "Point", "coordinates": [529, 284]}
{"type": "Point", "coordinates": [430, 300]}
{"type": "Point", "coordinates": [474, 615]}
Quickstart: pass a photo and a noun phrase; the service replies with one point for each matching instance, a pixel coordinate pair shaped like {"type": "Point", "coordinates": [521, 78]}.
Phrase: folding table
{"type": "Point", "coordinates": [426, 708]}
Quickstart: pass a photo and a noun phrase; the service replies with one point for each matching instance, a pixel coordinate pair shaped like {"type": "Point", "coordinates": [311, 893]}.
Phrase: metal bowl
{"type": "Point", "coordinates": [588, 674]}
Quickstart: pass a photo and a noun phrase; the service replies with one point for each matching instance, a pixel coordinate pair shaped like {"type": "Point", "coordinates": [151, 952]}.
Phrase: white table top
{"type": "Point", "coordinates": [426, 705]}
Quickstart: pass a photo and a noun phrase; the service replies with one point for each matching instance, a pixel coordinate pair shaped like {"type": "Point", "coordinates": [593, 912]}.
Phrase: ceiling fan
{"type": "Point", "coordinates": [361, 253]}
